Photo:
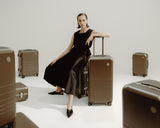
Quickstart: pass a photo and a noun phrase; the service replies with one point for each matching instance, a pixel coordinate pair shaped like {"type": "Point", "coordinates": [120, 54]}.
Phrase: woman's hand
{"type": "Point", "coordinates": [90, 38]}
{"type": "Point", "coordinates": [54, 61]}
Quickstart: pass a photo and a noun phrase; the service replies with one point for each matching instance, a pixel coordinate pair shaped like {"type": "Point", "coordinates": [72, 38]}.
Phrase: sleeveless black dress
{"type": "Point", "coordinates": [63, 72]}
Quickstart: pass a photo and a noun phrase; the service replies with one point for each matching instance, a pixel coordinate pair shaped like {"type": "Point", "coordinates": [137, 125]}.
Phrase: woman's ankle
{"type": "Point", "coordinates": [59, 89]}
{"type": "Point", "coordinates": [69, 107]}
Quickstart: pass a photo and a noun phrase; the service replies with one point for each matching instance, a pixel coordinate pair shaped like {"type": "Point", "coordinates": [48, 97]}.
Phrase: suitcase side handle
{"type": "Point", "coordinates": [102, 45]}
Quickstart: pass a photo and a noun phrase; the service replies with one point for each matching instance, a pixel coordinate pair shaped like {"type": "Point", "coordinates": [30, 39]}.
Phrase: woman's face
{"type": "Point", "coordinates": [82, 21]}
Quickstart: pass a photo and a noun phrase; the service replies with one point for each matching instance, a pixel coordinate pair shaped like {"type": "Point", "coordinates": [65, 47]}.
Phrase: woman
{"type": "Point", "coordinates": [62, 71]}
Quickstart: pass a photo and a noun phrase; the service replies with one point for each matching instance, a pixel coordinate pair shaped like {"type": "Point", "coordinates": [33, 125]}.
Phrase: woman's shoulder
{"type": "Point", "coordinates": [77, 32]}
{"type": "Point", "coordinates": [89, 30]}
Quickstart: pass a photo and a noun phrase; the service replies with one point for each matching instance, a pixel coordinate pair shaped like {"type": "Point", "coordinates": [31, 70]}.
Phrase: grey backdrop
{"type": "Point", "coordinates": [47, 25]}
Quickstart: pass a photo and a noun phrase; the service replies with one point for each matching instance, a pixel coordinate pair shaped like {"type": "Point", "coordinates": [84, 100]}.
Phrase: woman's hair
{"type": "Point", "coordinates": [80, 14]}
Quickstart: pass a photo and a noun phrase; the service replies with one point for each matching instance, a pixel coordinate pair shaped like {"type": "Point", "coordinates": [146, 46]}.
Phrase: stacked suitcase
{"type": "Point", "coordinates": [7, 87]}
{"type": "Point", "coordinates": [28, 62]}
{"type": "Point", "coordinates": [100, 78]}
{"type": "Point", "coordinates": [21, 92]}
{"type": "Point", "coordinates": [140, 64]}
{"type": "Point", "coordinates": [141, 104]}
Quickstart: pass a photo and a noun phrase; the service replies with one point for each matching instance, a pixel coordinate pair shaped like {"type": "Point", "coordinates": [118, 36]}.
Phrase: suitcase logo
{"type": "Point", "coordinates": [108, 64]}
{"type": "Point", "coordinates": [153, 109]}
{"type": "Point", "coordinates": [8, 59]}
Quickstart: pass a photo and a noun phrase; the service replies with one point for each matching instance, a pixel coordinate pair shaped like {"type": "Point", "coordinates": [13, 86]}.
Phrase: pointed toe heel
{"type": "Point", "coordinates": [56, 93]}
{"type": "Point", "coordinates": [69, 113]}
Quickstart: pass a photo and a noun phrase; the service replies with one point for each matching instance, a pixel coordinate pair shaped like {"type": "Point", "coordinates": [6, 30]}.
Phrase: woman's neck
{"type": "Point", "coordinates": [83, 30]}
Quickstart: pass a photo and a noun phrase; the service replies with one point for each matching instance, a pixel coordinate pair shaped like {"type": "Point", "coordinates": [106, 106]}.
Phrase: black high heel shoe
{"type": "Point", "coordinates": [56, 93]}
{"type": "Point", "coordinates": [69, 112]}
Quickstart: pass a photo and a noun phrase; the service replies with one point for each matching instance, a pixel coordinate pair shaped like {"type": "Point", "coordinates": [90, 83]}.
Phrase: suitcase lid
{"type": "Point", "coordinates": [3, 47]}
{"type": "Point", "coordinates": [5, 50]}
{"type": "Point", "coordinates": [151, 83]}
{"type": "Point", "coordinates": [140, 53]}
{"type": "Point", "coordinates": [20, 86]}
{"type": "Point", "coordinates": [100, 57]}
{"type": "Point", "coordinates": [27, 50]}
{"type": "Point", "coordinates": [148, 88]}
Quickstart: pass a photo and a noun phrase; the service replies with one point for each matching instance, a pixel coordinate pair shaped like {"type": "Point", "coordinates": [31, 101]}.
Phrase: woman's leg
{"type": "Point", "coordinates": [70, 100]}
{"type": "Point", "coordinates": [69, 105]}
{"type": "Point", "coordinates": [71, 83]}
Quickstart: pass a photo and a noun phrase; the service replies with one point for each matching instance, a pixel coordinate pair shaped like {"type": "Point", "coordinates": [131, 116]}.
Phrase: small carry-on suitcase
{"type": "Point", "coordinates": [82, 82]}
{"type": "Point", "coordinates": [7, 87]}
{"type": "Point", "coordinates": [21, 92]}
{"type": "Point", "coordinates": [141, 104]}
{"type": "Point", "coordinates": [28, 62]}
{"type": "Point", "coordinates": [100, 78]}
{"type": "Point", "coordinates": [22, 121]}
{"type": "Point", "coordinates": [140, 64]}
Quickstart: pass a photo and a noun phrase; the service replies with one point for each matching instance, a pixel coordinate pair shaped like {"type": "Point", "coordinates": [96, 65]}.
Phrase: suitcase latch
{"type": "Point", "coordinates": [21, 95]}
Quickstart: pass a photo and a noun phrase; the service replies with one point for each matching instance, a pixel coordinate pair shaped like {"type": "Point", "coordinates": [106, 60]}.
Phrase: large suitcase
{"type": "Point", "coordinates": [28, 62]}
{"type": "Point", "coordinates": [7, 86]}
{"type": "Point", "coordinates": [141, 104]}
{"type": "Point", "coordinates": [21, 92]}
{"type": "Point", "coordinates": [140, 64]}
{"type": "Point", "coordinates": [100, 78]}
{"type": "Point", "coordinates": [22, 121]}
{"type": "Point", "coordinates": [82, 82]}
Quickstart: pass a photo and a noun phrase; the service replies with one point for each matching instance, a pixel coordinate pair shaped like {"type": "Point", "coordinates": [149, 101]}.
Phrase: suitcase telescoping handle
{"type": "Point", "coordinates": [102, 45]}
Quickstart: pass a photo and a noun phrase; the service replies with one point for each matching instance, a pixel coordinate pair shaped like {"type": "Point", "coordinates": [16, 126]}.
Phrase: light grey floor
{"type": "Point", "coordinates": [49, 111]}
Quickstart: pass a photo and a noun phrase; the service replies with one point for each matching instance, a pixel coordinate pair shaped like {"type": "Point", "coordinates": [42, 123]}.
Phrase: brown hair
{"type": "Point", "coordinates": [80, 14]}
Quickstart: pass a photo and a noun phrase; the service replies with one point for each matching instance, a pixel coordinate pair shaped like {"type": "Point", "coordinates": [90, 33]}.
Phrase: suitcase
{"type": "Point", "coordinates": [140, 64]}
{"type": "Point", "coordinates": [21, 92]}
{"type": "Point", "coordinates": [22, 121]}
{"type": "Point", "coordinates": [28, 62]}
{"type": "Point", "coordinates": [82, 82]}
{"type": "Point", "coordinates": [7, 87]}
{"type": "Point", "coordinates": [141, 104]}
{"type": "Point", "coordinates": [100, 78]}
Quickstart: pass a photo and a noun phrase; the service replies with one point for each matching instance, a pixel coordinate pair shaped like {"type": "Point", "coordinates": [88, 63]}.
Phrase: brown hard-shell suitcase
{"type": "Point", "coordinates": [7, 87]}
{"type": "Point", "coordinates": [28, 62]}
{"type": "Point", "coordinates": [140, 64]}
{"type": "Point", "coordinates": [82, 82]}
{"type": "Point", "coordinates": [100, 78]}
{"type": "Point", "coordinates": [21, 92]}
{"type": "Point", "coordinates": [141, 104]}
{"type": "Point", "coordinates": [22, 121]}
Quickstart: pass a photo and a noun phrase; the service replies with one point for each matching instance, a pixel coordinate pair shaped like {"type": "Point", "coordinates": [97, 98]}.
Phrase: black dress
{"type": "Point", "coordinates": [63, 72]}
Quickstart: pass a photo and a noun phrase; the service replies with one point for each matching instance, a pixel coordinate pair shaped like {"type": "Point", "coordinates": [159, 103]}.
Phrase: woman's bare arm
{"type": "Point", "coordinates": [100, 34]}
{"type": "Point", "coordinates": [65, 52]}
{"type": "Point", "coordinates": [97, 34]}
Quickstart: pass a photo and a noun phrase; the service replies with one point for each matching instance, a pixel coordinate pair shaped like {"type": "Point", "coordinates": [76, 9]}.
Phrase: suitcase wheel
{"type": "Point", "coordinates": [89, 104]}
{"type": "Point", "coordinates": [144, 75]}
{"type": "Point", "coordinates": [79, 96]}
{"type": "Point", "coordinates": [23, 76]}
{"type": "Point", "coordinates": [134, 74]}
{"type": "Point", "coordinates": [10, 125]}
{"type": "Point", "coordinates": [109, 103]}
{"type": "Point", "coordinates": [37, 74]}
